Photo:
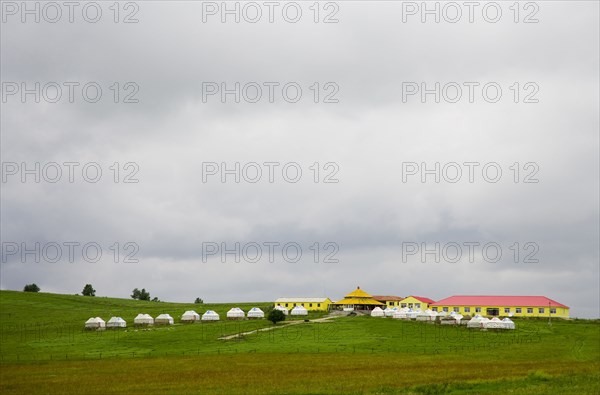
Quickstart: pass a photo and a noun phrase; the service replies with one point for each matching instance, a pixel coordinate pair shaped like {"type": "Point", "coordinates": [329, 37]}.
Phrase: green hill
{"type": "Point", "coordinates": [44, 349]}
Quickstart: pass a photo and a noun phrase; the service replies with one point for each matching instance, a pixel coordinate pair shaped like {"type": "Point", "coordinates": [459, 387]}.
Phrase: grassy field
{"type": "Point", "coordinates": [45, 350]}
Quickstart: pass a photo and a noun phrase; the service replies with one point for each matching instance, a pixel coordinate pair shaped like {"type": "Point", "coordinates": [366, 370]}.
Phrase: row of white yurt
{"type": "Point", "coordinates": [495, 323]}
{"type": "Point", "coordinates": [166, 319]}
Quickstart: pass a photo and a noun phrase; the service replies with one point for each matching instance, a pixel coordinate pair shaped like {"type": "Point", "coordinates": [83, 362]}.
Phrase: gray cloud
{"type": "Point", "coordinates": [369, 134]}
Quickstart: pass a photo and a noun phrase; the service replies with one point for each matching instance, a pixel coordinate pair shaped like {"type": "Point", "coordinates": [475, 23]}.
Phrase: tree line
{"type": "Point", "coordinates": [88, 290]}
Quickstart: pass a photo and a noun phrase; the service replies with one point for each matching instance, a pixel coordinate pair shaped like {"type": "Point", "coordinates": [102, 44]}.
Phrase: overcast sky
{"type": "Point", "coordinates": [370, 131]}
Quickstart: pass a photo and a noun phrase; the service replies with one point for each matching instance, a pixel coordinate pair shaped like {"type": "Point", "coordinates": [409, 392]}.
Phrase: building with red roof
{"type": "Point", "coordinates": [518, 306]}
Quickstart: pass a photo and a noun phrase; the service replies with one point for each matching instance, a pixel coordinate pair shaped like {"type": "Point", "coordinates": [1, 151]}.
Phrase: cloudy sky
{"type": "Point", "coordinates": [407, 157]}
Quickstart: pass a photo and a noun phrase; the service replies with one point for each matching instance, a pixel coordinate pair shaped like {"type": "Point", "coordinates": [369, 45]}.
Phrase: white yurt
{"type": "Point", "coordinates": [390, 312]}
{"type": "Point", "coordinates": [475, 322]}
{"type": "Point", "coordinates": [95, 323]}
{"type": "Point", "coordinates": [494, 323]}
{"type": "Point", "coordinates": [426, 315]}
{"type": "Point", "coordinates": [377, 312]}
{"type": "Point", "coordinates": [164, 319]}
{"type": "Point", "coordinates": [412, 314]}
{"type": "Point", "coordinates": [484, 321]}
{"type": "Point", "coordinates": [143, 319]}
{"type": "Point", "coordinates": [508, 323]}
{"type": "Point", "coordinates": [116, 322]}
{"type": "Point", "coordinates": [210, 316]}
{"type": "Point", "coordinates": [285, 311]}
{"type": "Point", "coordinates": [236, 314]}
{"type": "Point", "coordinates": [456, 316]}
{"type": "Point", "coordinates": [190, 316]}
{"type": "Point", "coordinates": [401, 314]}
{"type": "Point", "coordinates": [449, 320]}
{"type": "Point", "coordinates": [255, 312]}
{"type": "Point", "coordinates": [299, 310]}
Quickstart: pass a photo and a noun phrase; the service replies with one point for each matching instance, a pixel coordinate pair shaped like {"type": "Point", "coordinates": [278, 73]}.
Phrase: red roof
{"type": "Point", "coordinates": [488, 300]}
{"type": "Point", "coordinates": [422, 299]}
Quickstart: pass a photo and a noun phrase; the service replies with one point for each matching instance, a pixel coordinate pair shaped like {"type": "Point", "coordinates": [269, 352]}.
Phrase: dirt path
{"type": "Point", "coordinates": [270, 328]}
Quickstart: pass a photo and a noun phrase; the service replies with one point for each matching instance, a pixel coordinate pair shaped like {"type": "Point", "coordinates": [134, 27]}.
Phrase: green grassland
{"type": "Point", "coordinates": [44, 349]}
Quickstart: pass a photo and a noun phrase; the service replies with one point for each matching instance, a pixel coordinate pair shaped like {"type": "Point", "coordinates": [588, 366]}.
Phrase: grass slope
{"type": "Point", "coordinates": [45, 350]}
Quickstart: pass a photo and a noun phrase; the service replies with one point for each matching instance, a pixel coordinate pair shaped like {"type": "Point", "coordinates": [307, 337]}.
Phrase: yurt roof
{"type": "Point", "coordinates": [210, 312]}
{"type": "Point", "coordinates": [190, 312]}
{"type": "Point", "coordinates": [358, 293]}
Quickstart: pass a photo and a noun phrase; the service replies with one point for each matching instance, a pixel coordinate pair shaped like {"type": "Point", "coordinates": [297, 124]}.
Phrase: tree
{"type": "Point", "coordinates": [31, 288]}
{"type": "Point", "coordinates": [275, 316]}
{"type": "Point", "coordinates": [198, 301]}
{"type": "Point", "coordinates": [88, 290]}
{"type": "Point", "coordinates": [144, 295]}
{"type": "Point", "coordinates": [140, 295]}
{"type": "Point", "coordinates": [155, 299]}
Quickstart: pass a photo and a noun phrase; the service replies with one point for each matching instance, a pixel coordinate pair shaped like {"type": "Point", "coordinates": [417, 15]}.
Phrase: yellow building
{"type": "Point", "coordinates": [388, 300]}
{"type": "Point", "coordinates": [358, 300]}
{"type": "Point", "coordinates": [416, 302]}
{"type": "Point", "coordinates": [311, 304]}
{"type": "Point", "coordinates": [517, 306]}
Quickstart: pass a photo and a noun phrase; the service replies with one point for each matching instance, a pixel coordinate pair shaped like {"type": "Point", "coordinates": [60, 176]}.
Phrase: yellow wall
{"type": "Point", "coordinates": [311, 306]}
{"type": "Point", "coordinates": [561, 312]}
{"type": "Point", "coordinates": [413, 303]}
